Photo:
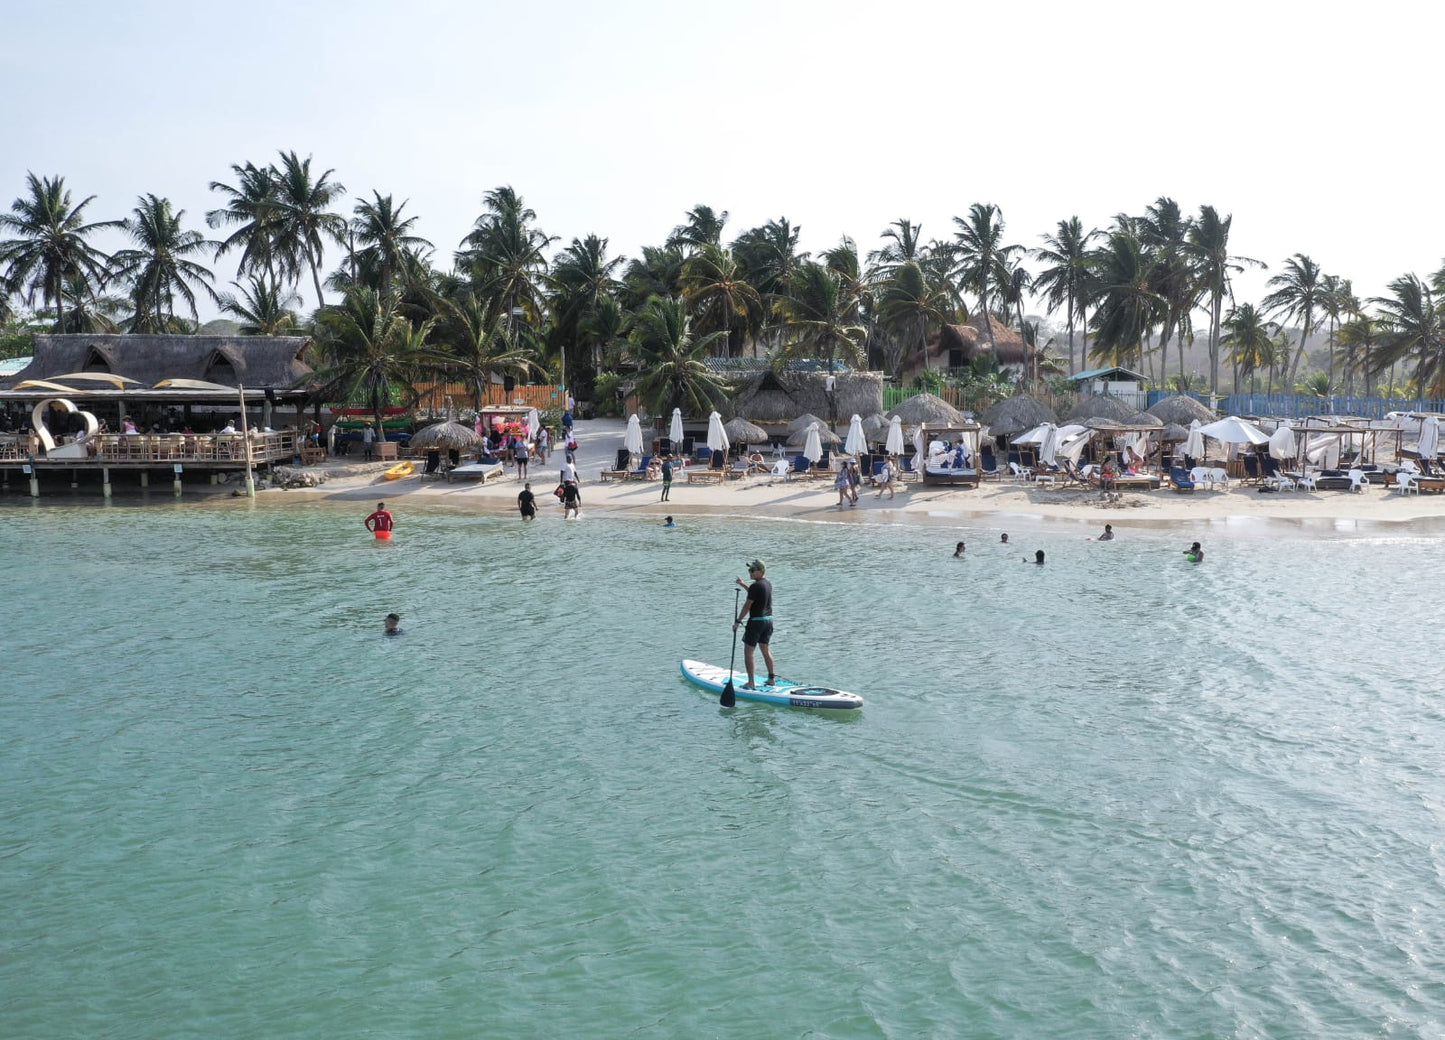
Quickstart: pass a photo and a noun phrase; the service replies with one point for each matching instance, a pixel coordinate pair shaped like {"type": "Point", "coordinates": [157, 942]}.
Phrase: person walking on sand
{"type": "Point", "coordinates": [380, 522]}
{"type": "Point", "coordinates": [854, 479]}
{"type": "Point", "coordinates": [843, 485]}
{"type": "Point", "coordinates": [527, 503]}
{"type": "Point", "coordinates": [666, 479]}
{"type": "Point", "coordinates": [885, 479]}
{"type": "Point", "coordinates": [758, 611]}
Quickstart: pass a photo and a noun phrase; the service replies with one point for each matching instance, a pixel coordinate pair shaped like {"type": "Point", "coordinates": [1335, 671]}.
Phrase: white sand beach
{"type": "Point", "coordinates": [758, 495]}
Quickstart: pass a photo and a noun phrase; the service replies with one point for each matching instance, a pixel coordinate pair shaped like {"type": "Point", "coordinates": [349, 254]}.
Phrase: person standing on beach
{"type": "Point", "coordinates": [666, 479]}
{"type": "Point", "coordinates": [521, 455]}
{"type": "Point", "coordinates": [380, 522]}
{"type": "Point", "coordinates": [527, 503]}
{"type": "Point", "coordinates": [854, 479]}
{"type": "Point", "coordinates": [542, 441]}
{"type": "Point", "coordinates": [367, 436]}
{"type": "Point", "coordinates": [758, 610]}
{"type": "Point", "coordinates": [885, 479]}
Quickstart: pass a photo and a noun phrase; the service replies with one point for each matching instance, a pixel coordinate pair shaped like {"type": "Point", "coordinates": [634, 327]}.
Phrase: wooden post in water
{"type": "Point", "coordinates": [246, 437]}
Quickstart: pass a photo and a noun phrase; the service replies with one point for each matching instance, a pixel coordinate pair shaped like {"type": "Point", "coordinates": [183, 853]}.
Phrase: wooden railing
{"type": "Point", "coordinates": [171, 447]}
{"type": "Point", "coordinates": [463, 395]}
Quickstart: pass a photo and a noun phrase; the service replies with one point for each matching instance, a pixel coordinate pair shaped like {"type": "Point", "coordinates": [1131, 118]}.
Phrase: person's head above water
{"type": "Point", "coordinates": [958, 549]}
{"type": "Point", "coordinates": [1194, 547]}
{"type": "Point", "coordinates": [1003, 537]}
{"type": "Point", "coordinates": [1039, 556]}
{"type": "Point", "coordinates": [392, 623]}
{"type": "Point", "coordinates": [667, 522]}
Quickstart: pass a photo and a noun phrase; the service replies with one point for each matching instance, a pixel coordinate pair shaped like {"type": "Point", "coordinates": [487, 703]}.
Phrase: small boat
{"type": "Point", "coordinates": [785, 692]}
{"type": "Point", "coordinates": [401, 469]}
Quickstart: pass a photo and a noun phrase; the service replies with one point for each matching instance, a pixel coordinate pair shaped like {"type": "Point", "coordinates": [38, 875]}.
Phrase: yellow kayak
{"type": "Point", "coordinates": [401, 469]}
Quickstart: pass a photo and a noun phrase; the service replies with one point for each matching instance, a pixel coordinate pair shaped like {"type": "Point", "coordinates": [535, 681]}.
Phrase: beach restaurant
{"type": "Point", "coordinates": [88, 405]}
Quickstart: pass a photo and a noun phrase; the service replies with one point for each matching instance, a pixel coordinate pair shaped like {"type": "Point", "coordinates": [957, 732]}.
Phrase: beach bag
{"type": "Point", "coordinates": [560, 491]}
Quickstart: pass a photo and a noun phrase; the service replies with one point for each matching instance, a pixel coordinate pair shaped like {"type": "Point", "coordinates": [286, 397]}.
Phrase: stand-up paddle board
{"type": "Point", "coordinates": [781, 691]}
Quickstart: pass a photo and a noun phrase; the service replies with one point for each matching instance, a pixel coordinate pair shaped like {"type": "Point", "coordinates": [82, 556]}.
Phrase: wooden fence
{"type": "Point", "coordinates": [463, 395]}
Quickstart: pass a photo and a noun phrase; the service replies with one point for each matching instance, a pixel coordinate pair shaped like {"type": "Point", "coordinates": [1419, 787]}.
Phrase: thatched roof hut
{"type": "Point", "coordinates": [805, 420]}
{"type": "Point", "coordinates": [779, 397]}
{"type": "Point", "coordinates": [1144, 419]}
{"type": "Point", "coordinates": [875, 422]}
{"type": "Point", "coordinates": [740, 431]}
{"type": "Point", "coordinates": [800, 437]}
{"type": "Point", "coordinates": [1173, 433]}
{"type": "Point", "coordinates": [1181, 409]}
{"type": "Point", "coordinates": [1099, 406]}
{"type": "Point", "coordinates": [928, 408]}
{"type": "Point", "coordinates": [258, 362]}
{"type": "Point", "coordinates": [1015, 415]}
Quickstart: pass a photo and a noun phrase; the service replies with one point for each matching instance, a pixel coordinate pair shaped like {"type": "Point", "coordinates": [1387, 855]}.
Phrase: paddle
{"type": "Point", "coordinates": [729, 696]}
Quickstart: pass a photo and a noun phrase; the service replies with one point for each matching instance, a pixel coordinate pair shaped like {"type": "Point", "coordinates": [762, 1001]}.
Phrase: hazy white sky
{"type": "Point", "coordinates": [1315, 125]}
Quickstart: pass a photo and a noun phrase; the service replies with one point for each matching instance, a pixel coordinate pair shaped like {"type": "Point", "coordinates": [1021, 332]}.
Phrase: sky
{"type": "Point", "coordinates": [1315, 126]}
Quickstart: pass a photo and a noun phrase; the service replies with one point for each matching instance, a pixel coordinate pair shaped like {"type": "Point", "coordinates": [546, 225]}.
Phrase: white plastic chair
{"type": "Point", "coordinates": [1405, 483]}
{"type": "Point", "coordinates": [1219, 477]}
{"type": "Point", "coordinates": [1018, 471]}
{"type": "Point", "coordinates": [1305, 482]}
{"type": "Point", "coordinates": [1357, 480]}
{"type": "Point", "coordinates": [1199, 475]}
{"type": "Point", "coordinates": [1280, 482]}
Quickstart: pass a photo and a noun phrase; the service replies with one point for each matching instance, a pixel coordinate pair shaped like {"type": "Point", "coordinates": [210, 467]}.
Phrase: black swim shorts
{"type": "Point", "coordinates": [758, 632]}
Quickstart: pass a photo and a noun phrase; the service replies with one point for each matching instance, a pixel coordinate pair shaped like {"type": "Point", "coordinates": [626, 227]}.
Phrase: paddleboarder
{"type": "Point", "coordinates": [758, 610]}
{"type": "Point", "coordinates": [380, 522]}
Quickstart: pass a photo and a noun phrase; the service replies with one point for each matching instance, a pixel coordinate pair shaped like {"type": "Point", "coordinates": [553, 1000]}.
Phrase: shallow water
{"type": "Point", "coordinates": [1119, 795]}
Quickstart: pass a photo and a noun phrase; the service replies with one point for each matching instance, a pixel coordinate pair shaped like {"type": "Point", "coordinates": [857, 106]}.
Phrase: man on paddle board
{"type": "Point", "coordinates": [380, 522]}
{"type": "Point", "coordinates": [758, 610]}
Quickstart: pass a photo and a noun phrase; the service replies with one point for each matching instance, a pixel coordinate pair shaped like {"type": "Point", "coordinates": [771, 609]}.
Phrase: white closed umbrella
{"type": "Point", "coordinates": [813, 446]}
{"type": "Point", "coordinates": [856, 443]}
{"type": "Point", "coordinates": [1282, 444]}
{"type": "Point", "coordinates": [632, 441]}
{"type": "Point", "coordinates": [674, 429]}
{"type": "Point", "coordinates": [895, 443]}
{"type": "Point", "coordinates": [1049, 445]}
{"type": "Point", "coordinates": [1429, 438]}
{"type": "Point", "coordinates": [1194, 443]}
{"type": "Point", "coordinates": [717, 437]}
{"type": "Point", "coordinates": [534, 422]}
{"type": "Point", "coordinates": [920, 442]}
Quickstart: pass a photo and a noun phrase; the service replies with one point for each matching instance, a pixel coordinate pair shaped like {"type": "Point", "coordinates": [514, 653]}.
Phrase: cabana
{"type": "Point", "coordinates": [955, 461]}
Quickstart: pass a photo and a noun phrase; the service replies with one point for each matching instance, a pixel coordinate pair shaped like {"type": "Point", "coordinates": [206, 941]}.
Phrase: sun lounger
{"type": "Point", "coordinates": [1179, 480]}
{"type": "Point", "coordinates": [483, 471]}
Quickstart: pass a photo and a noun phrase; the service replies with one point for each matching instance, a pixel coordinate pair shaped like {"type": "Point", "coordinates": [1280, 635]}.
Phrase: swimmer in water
{"type": "Point", "coordinates": [1038, 558]}
{"type": "Point", "coordinates": [1003, 538]}
{"type": "Point", "coordinates": [1108, 535]}
{"type": "Point", "coordinates": [668, 522]}
{"type": "Point", "coordinates": [1194, 554]}
{"type": "Point", "coordinates": [393, 624]}
{"type": "Point", "coordinates": [380, 522]}
{"type": "Point", "coordinates": [958, 549]}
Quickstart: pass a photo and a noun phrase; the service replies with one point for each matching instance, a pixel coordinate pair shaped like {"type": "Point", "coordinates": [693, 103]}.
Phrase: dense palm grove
{"type": "Point", "coordinates": [512, 303]}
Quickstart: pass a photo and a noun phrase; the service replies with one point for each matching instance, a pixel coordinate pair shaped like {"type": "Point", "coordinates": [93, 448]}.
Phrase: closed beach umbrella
{"type": "Point", "coordinates": [717, 437]}
{"type": "Point", "coordinates": [1049, 445]}
{"type": "Point", "coordinates": [1194, 443]}
{"type": "Point", "coordinates": [920, 441]}
{"type": "Point", "coordinates": [1429, 438]}
{"type": "Point", "coordinates": [633, 439]}
{"type": "Point", "coordinates": [895, 437]}
{"type": "Point", "coordinates": [856, 443]}
{"type": "Point", "coordinates": [813, 445]}
{"type": "Point", "coordinates": [1282, 444]}
{"type": "Point", "coordinates": [445, 436]}
{"type": "Point", "coordinates": [674, 429]}
{"type": "Point", "coordinates": [740, 431]}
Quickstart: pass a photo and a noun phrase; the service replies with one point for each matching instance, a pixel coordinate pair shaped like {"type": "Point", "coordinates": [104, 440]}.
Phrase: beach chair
{"type": "Point", "coordinates": [1179, 479]}
{"type": "Point", "coordinates": [1018, 472]}
{"type": "Point", "coordinates": [802, 467]}
{"type": "Point", "coordinates": [782, 470]}
{"type": "Point", "coordinates": [988, 466]}
{"type": "Point", "coordinates": [1305, 482]}
{"type": "Point", "coordinates": [639, 472]}
{"type": "Point", "coordinates": [1405, 482]}
{"type": "Point", "coordinates": [1219, 478]}
{"type": "Point", "coordinates": [1358, 480]}
{"type": "Point", "coordinates": [1279, 481]}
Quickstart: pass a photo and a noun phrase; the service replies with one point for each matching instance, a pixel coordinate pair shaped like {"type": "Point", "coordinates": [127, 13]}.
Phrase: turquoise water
{"type": "Point", "coordinates": [1116, 796]}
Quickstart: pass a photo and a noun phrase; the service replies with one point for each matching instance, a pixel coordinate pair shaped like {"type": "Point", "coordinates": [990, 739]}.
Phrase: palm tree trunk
{"type": "Point", "coordinates": [315, 279]}
{"type": "Point", "coordinates": [1300, 352]}
{"type": "Point", "coordinates": [1216, 314]}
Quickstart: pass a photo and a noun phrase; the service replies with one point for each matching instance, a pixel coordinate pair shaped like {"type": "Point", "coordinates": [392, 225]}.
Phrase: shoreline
{"type": "Point", "coordinates": [1238, 508]}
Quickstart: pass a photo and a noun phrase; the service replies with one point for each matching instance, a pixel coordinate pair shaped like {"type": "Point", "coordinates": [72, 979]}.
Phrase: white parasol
{"type": "Point", "coordinates": [855, 443]}
{"type": "Point", "coordinates": [674, 430]}
{"type": "Point", "coordinates": [813, 447]}
{"type": "Point", "coordinates": [920, 441]}
{"type": "Point", "coordinates": [1282, 444]}
{"type": "Point", "coordinates": [895, 437]}
{"type": "Point", "coordinates": [633, 439]}
{"type": "Point", "coordinates": [1194, 443]}
{"type": "Point", "coordinates": [1429, 438]}
{"type": "Point", "coordinates": [717, 437]}
{"type": "Point", "coordinates": [1234, 430]}
{"type": "Point", "coordinates": [1049, 444]}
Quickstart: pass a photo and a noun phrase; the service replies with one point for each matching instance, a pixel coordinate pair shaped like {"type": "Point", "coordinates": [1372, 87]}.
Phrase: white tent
{"type": "Point", "coordinates": [1429, 438]}
{"type": "Point", "coordinates": [1282, 444]}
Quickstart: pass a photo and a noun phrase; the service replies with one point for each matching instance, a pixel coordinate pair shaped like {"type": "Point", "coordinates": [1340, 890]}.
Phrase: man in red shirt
{"type": "Point", "coordinates": [380, 522]}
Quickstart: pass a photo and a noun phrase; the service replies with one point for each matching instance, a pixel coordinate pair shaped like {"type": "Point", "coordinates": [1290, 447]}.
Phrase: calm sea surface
{"type": "Point", "coordinates": [1116, 796]}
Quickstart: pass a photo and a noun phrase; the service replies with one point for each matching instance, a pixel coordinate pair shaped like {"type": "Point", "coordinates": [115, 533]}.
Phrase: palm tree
{"type": "Point", "coordinates": [820, 317]}
{"type": "Point", "coordinates": [304, 217]}
{"type": "Point", "coordinates": [1414, 329]}
{"type": "Point", "coordinates": [704, 227]}
{"type": "Point", "coordinates": [904, 245]}
{"type": "Point", "coordinates": [50, 244]}
{"type": "Point", "coordinates": [263, 307]}
{"type": "Point", "coordinates": [768, 255]}
{"type": "Point", "coordinates": [1127, 306]}
{"type": "Point", "coordinates": [371, 353]}
{"type": "Point", "coordinates": [386, 241]}
{"type": "Point", "coordinates": [1164, 231]}
{"type": "Point", "coordinates": [159, 268]}
{"type": "Point", "coordinates": [983, 259]}
{"type": "Point", "coordinates": [1208, 252]}
{"type": "Point", "coordinates": [504, 255]}
{"type": "Point", "coordinates": [87, 311]}
{"type": "Point", "coordinates": [253, 209]}
{"type": "Point", "coordinates": [717, 293]}
{"type": "Point", "coordinates": [1297, 298]}
{"type": "Point", "coordinates": [658, 272]}
{"type": "Point", "coordinates": [1358, 338]}
{"type": "Point", "coordinates": [1069, 278]}
{"type": "Point", "coordinates": [1250, 339]}
{"type": "Point", "coordinates": [674, 372]}
{"type": "Point", "coordinates": [908, 303]}
{"type": "Point", "coordinates": [582, 277]}
{"type": "Point", "coordinates": [476, 339]}
{"type": "Point", "coordinates": [1338, 300]}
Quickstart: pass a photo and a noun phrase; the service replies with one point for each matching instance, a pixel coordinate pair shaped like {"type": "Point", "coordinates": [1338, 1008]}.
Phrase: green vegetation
{"type": "Point", "coordinates": [514, 303]}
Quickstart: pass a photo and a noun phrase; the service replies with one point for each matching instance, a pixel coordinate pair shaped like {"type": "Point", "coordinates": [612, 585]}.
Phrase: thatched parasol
{"type": "Point", "coordinates": [825, 435]}
{"type": "Point", "coordinates": [1017, 414]}
{"type": "Point", "coordinates": [1102, 423]}
{"type": "Point", "coordinates": [875, 422]}
{"type": "Point", "coordinates": [446, 436]}
{"type": "Point", "coordinates": [1174, 433]}
{"type": "Point", "coordinates": [1181, 409]}
{"type": "Point", "coordinates": [1099, 406]}
{"type": "Point", "coordinates": [805, 420]}
{"type": "Point", "coordinates": [1144, 419]}
{"type": "Point", "coordinates": [927, 408]}
{"type": "Point", "coordinates": [740, 431]}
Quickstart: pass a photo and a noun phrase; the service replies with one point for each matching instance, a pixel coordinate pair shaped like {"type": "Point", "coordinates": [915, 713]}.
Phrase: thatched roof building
{"type": "Point", "coordinates": [1181, 409]}
{"type": "Point", "coordinates": [258, 362]}
{"type": "Point", "coordinates": [780, 397]}
{"type": "Point", "coordinates": [955, 346]}
{"type": "Point", "coordinates": [1015, 415]}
